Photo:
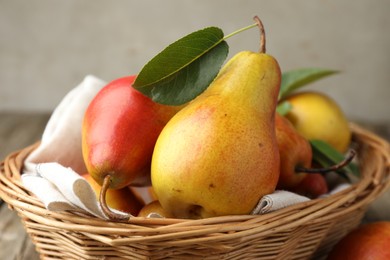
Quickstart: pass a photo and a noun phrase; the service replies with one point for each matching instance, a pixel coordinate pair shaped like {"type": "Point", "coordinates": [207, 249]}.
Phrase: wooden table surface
{"type": "Point", "coordinates": [20, 130]}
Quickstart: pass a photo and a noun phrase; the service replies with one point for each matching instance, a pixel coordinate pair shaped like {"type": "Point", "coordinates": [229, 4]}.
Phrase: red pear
{"type": "Point", "coordinates": [369, 241]}
{"type": "Point", "coordinates": [294, 151]}
{"type": "Point", "coordinates": [119, 131]}
{"type": "Point", "coordinates": [312, 186]}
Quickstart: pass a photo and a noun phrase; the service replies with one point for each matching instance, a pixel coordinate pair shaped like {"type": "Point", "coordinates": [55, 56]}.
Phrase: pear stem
{"type": "Point", "coordinates": [102, 200]}
{"type": "Point", "coordinates": [262, 33]}
{"type": "Point", "coordinates": [332, 168]}
{"type": "Point", "coordinates": [259, 24]}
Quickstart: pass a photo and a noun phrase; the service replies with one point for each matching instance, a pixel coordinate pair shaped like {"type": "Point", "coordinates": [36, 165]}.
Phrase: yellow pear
{"type": "Point", "coordinates": [219, 155]}
{"type": "Point", "coordinates": [317, 116]}
{"type": "Point", "coordinates": [153, 207]}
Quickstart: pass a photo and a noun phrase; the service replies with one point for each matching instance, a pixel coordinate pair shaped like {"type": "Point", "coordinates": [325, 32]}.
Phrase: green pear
{"type": "Point", "coordinates": [219, 154]}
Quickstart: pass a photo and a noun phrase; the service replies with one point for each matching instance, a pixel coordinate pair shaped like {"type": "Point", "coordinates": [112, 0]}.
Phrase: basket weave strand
{"type": "Point", "coordinates": [302, 231]}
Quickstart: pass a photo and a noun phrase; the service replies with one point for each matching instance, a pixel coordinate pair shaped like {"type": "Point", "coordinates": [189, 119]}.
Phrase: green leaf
{"type": "Point", "coordinates": [283, 108]}
{"type": "Point", "coordinates": [185, 68]}
{"type": "Point", "coordinates": [294, 79]}
{"type": "Point", "coordinates": [326, 156]}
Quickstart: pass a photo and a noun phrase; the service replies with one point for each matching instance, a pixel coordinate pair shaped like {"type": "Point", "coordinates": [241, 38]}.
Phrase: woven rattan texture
{"type": "Point", "coordinates": [303, 231]}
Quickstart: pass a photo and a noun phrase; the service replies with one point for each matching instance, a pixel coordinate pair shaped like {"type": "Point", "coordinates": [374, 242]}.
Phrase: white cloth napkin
{"type": "Point", "coordinates": [61, 139]}
{"type": "Point", "coordinates": [52, 171]}
{"type": "Point", "coordinates": [278, 200]}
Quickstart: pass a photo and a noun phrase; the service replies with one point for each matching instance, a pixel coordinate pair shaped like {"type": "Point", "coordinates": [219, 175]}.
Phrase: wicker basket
{"type": "Point", "coordinates": [305, 230]}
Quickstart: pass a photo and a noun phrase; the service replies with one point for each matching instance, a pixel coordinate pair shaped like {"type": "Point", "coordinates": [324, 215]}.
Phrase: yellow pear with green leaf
{"type": "Point", "coordinates": [219, 155]}
{"type": "Point", "coordinates": [316, 116]}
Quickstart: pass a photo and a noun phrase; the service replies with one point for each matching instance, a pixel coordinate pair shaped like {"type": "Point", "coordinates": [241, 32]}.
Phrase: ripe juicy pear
{"type": "Point", "coordinates": [294, 150]}
{"type": "Point", "coordinates": [317, 116]}
{"type": "Point", "coordinates": [119, 132]}
{"type": "Point", "coordinates": [312, 186]}
{"type": "Point", "coordinates": [219, 155]}
{"type": "Point", "coordinates": [153, 207]}
{"type": "Point", "coordinates": [369, 241]}
{"type": "Point", "coordinates": [122, 199]}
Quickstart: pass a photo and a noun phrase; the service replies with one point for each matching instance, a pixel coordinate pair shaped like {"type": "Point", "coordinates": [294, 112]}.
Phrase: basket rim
{"type": "Point", "coordinates": [375, 180]}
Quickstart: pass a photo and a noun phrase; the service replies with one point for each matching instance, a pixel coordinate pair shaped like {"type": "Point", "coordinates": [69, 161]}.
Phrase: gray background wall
{"type": "Point", "coordinates": [48, 46]}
